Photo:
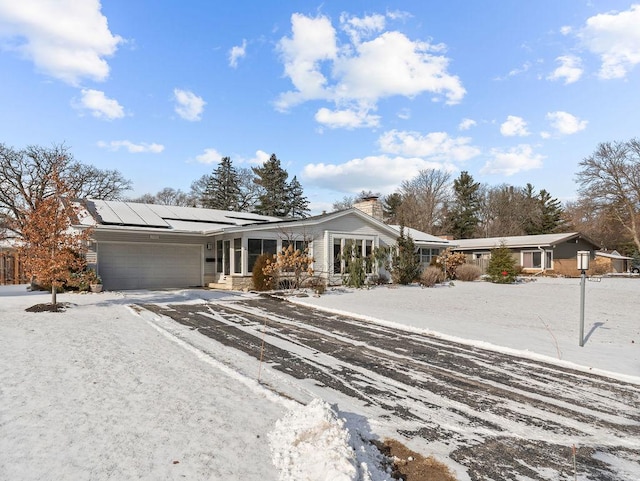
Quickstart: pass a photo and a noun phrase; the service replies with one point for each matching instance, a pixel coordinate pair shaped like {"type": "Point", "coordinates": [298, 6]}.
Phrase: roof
{"type": "Point", "coordinates": [120, 215]}
{"type": "Point", "coordinates": [613, 255]}
{"type": "Point", "coordinates": [541, 240]}
{"type": "Point", "coordinates": [422, 237]}
{"type": "Point", "coordinates": [166, 217]}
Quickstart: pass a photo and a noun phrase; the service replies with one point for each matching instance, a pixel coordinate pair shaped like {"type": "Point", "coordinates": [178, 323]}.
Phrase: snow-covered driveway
{"type": "Point", "coordinates": [494, 415]}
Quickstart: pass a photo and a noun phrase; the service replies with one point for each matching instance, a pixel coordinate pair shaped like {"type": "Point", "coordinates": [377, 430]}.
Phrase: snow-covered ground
{"type": "Point", "coordinates": [540, 318]}
{"type": "Point", "coordinates": [100, 392]}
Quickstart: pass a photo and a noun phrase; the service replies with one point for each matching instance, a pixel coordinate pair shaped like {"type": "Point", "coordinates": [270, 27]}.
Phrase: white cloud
{"type": "Point", "coordinates": [237, 52]}
{"type": "Point", "coordinates": [570, 69]}
{"type": "Point", "coordinates": [437, 146]}
{"type": "Point", "coordinates": [209, 156]}
{"type": "Point", "coordinates": [514, 127]}
{"type": "Point", "coordinates": [361, 71]}
{"type": "Point", "coordinates": [466, 124]}
{"type": "Point", "coordinates": [100, 105]}
{"type": "Point", "coordinates": [378, 173]}
{"type": "Point", "coordinates": [66, 39]}
{"type": "Point", "coordinates": [348, 119]}
{"type": "Point", "coordinates": [359, 27]}
{"type": "Point", "coordinates": [615, 37]}
{"type": "Point", "coordinates": [188, 105]}
{"type": "Point", "coordinates": [259, 158]}
{"type": "Point", "coordinates": [133, 148]}
{"type": "Point", "coordinates": [512, 161]}
{"type": "Point", "coordinates": [566, 124]}
{"type": "Point", "coordinates": [566, 30]}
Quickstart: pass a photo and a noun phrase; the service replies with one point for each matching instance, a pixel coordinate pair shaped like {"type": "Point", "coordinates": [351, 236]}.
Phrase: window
{"type": "Point", "coordinates": [257, 247]}
{"type": "Point", "coordinates": [226, 252]}
{"type": "Point", "coordinates": [427, 255]}
{"type": "Point", "coordinates": [533, 259]}
{"type": "Point", "coordinates": [237, 256]}
{"type": "Point", "coordinates": [219, 256]}
{"type": "Point", "coordinates": [357, 248]}
{"type": "Point", "coordinates": [298, 245]}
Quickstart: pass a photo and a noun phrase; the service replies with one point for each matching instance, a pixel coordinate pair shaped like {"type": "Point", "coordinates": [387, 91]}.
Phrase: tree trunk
{"type": "Point", "coordinates": [53, 294]}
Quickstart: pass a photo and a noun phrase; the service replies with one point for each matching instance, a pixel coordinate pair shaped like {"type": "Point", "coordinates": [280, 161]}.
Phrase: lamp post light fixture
{"type": "Point", "coordinates": [583, 265]}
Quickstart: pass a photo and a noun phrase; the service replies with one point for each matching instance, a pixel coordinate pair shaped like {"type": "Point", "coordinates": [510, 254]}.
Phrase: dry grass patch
{"type": "Point", "coordinates": [411, 466]}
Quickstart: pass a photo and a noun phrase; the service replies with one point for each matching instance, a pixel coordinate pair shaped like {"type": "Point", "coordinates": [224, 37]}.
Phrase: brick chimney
{"type": "Point", "coordinates": [370, 206]}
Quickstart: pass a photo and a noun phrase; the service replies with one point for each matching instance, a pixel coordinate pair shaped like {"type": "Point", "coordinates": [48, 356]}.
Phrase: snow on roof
{"type": "Point", "coordinates": [421, 237]}
{"type": "Point", "coordinates": [515, 241]}
{"type": "Point", "coordinates": [613, 255]}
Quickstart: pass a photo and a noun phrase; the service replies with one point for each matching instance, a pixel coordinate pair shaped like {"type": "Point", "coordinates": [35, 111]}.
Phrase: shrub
{"type": "Point", "coordinates": [502, 266]}
{"type": "Point", "coordinates": [318, 285]}
{"type": "Point", "coordinates": [405, 262]}
{"type": "Point", "coordinates": [431, 276]}
{"type": "Point", "coordinates": [262, 281]}
{"type": "Point", "coordinates": [292, 265]}
{"type": "Point", "coordinates": [468, 272]}
{"type": "Point", "coordinates": [354, 275]}
{"type": "Point", "coordinates": [451, 261]}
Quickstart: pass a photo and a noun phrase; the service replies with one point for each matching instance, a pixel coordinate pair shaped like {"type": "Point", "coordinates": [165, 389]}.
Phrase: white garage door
{"type": "Point", "coordinates": [149, 266]}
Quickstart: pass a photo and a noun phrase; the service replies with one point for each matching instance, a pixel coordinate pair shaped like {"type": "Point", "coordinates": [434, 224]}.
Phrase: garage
{"type": "Point", "coordinates": [149, 266]}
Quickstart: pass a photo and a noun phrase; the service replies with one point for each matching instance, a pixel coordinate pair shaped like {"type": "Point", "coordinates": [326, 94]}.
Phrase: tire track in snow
{"type": "Point", "coordinates": [484, 402]}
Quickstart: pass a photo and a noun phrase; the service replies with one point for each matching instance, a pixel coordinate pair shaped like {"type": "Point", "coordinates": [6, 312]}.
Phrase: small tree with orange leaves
{"type": "Point", "coordinates": [51, 250]}
{"type": "Point", "coordinates": [292, 264]}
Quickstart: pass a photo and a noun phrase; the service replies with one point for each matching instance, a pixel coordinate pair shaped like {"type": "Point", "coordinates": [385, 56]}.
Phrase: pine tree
{"type": "Point", "coordinates": [298, 203]}
{"type": "Point", "coordinates": [405, 262]}
{"type": "Point", "coordinates": [551, 213]}
{"type": "Point", "coordinates": [502, 266]}
{"type": "Point", "coordinates": [464, 214]}
{"type": "Point", "coordinates": [390, 207]}
{"type": "Point", "coordinates": [222, 190]}
{"type": "Point", "coordinates": [274, 198]}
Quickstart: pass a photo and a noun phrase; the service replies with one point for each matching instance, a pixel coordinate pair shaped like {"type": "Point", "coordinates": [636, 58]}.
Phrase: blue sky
{"type": "Point", "coordinates": [349, 95]}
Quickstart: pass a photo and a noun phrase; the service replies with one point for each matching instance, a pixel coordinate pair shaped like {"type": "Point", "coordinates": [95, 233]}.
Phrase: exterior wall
{"type": "Point", "coordinates": [569, 249]}
{"type": "Point", "coordinates": [321, 239]}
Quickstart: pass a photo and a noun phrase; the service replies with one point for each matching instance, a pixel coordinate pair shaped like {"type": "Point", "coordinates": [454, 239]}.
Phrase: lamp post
{"type": "Point", "coordinates": [583, 265]}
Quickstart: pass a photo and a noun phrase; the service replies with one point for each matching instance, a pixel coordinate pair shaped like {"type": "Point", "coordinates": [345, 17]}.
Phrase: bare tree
{"type": "Point", "coordinates": [26, 179]}
{"type": "Point", "coordinates": [345, 203]}
{"type": "Point", "coordinates": [424, 200]}
{"type": "Point", "coordinates": [610, 178]}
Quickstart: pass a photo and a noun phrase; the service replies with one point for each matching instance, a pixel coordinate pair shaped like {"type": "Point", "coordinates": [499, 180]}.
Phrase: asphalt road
{"type": "Point", "coordinates": [503, 417]}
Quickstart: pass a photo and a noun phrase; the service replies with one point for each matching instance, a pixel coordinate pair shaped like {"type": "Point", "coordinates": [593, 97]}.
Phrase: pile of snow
{"type": "Point", "coordinates": [313, 443]}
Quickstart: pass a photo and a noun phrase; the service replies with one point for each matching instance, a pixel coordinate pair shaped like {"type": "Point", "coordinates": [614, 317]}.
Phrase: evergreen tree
{"type": "Point", "coordinates": [464, 213]}
{"type": "Point", "coordinates": [390, 207]}
{"type": "Point", "coordinates": [551, 213]}
{"type": "Point", "coordinates": [502, 266]}
{"type": "Point", "coordinates": [298, 203]}
{"type": "Point", "coordinates": [222, 190]}
{"type": "Point", "coordinates": [274, 197]}
{"type": "Point", "coordinates": [405, 262]}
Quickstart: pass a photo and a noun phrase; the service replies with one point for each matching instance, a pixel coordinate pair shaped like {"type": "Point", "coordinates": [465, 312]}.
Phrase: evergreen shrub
{"type": "Point", "coordinates": [502, 266]}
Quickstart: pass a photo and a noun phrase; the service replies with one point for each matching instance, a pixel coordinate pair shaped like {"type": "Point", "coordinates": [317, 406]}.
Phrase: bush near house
{"type": "Point", "coordinates": [261, 280]}
{"type": "Point", "coordinates": [431, 276]}
{"type": "Point", "coordinates": [502, 266]}
{"type": "Point", "coordinates": [451, 261]}
{"type": "Point", "coordinates": [468, 272]}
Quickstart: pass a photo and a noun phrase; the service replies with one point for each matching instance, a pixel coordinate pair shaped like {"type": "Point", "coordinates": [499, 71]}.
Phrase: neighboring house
{"type": "Point", "coordinates": [615, 262]}
{"type": "Point", "coordinates": [138, 246]}
{"type": "Point", "coordinates": [534, 253]}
